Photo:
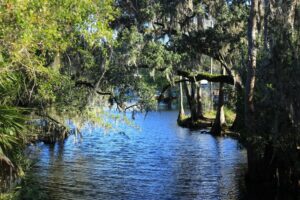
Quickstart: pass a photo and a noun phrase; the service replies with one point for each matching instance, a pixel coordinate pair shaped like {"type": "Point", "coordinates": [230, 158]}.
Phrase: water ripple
{"type": "Point", "coordinates": [162, 161]}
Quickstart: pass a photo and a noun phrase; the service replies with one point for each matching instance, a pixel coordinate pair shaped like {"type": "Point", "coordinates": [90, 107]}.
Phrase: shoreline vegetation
{"type": "Point", "coordinates": [206, 123]}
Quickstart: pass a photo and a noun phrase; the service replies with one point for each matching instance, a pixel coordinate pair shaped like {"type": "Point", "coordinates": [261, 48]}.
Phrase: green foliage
{"type": "Point", "coordinates": [229, 116]}
{"type": "Point", "coordinates": [12, 140]}
{"type": "Point", "coordinates": [34, 36]}
{"type": "Point", "coordinates": [211, 114]}
{"type": "Point", "coordinates": [129, 46]}
{"type": "Point", "coordinates": [44, 29]}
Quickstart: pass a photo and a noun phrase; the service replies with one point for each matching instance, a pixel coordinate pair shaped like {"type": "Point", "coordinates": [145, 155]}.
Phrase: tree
{"type": "Point", "coordinates": [35, 35]}
{"type": "Point", "coordinates": [180, 28]}
{"type": "Point", "coordinates": [271, 137]}
{"type": "Point", "coordinates": [250, 84]}
{"type": "Point", "coordinates": [220, 121]}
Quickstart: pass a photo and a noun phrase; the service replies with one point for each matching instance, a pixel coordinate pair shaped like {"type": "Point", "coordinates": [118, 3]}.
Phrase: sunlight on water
{"type": "Point", "coordinates": [159, 161]}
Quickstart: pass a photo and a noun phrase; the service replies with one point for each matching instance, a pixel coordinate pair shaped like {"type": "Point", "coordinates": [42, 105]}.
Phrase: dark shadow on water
{"type": "Point", "coordinates": [262, 192]}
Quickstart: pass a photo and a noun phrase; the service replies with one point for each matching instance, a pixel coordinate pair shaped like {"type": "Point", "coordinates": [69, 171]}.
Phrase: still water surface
{"type": "Point", "coordinates": [158, 161]}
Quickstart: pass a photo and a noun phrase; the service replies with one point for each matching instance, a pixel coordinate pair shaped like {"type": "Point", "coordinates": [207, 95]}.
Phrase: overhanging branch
{"type": "Point", "coordinates": [190, 77]}
{"type": "Point", "coordinates": [206, 76]}
{"type": "Point", "coordinates": [91, 86]}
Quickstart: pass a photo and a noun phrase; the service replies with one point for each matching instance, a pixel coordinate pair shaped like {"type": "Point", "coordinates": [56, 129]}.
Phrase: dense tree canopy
{"type": "Point", "coordinates": [34, 36]}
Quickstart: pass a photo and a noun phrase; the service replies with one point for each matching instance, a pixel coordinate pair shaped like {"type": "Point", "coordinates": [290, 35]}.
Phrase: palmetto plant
{"type": "Point", "coordinates": [12, 131]}
{"type": "Point", "coordinates": [11, 126]}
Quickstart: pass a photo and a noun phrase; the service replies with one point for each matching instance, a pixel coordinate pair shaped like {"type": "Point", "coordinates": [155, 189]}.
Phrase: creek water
{"type": "Point", "coordinates": [158, 160]}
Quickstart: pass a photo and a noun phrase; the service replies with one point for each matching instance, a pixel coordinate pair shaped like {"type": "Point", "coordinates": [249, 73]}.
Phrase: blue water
{"type": "Point", "coordinates": [158, 160]}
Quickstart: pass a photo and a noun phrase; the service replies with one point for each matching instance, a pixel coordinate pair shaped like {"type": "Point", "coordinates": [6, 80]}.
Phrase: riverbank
{"type": "Point", "coordinates": [186, 122]}
{"type": "Point", "coordinates": [27, 188]}
{"type": "Point", "coordinates": [207, 121]}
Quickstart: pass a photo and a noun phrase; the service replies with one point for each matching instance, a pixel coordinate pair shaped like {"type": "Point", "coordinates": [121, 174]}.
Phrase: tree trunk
{"type": "Point", "coordinates": [190, 94]}
{"type": "Point", "coordinates": [187, 93]}
{"type": "Point", "coordinates": [170, 98]}
{"type": "Point", "coordinates": [199, 103]}
{"type": "Point", "coordinates": [181, 108]}
{"type": "Point", "coordinates": [266, 16]}
{"type": "Point", "coordinates": [291, 13]}
{"type": "Point", "coordinates": [251, 68]}
{"type": "Point", "coordinates": [238, 123]}
{"type": "Point", "coordinates": [193, 108]}
{"type": "Point", "coordinates": [219, 122]}
{"type": "Point", "coordinates": [254, 160]}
